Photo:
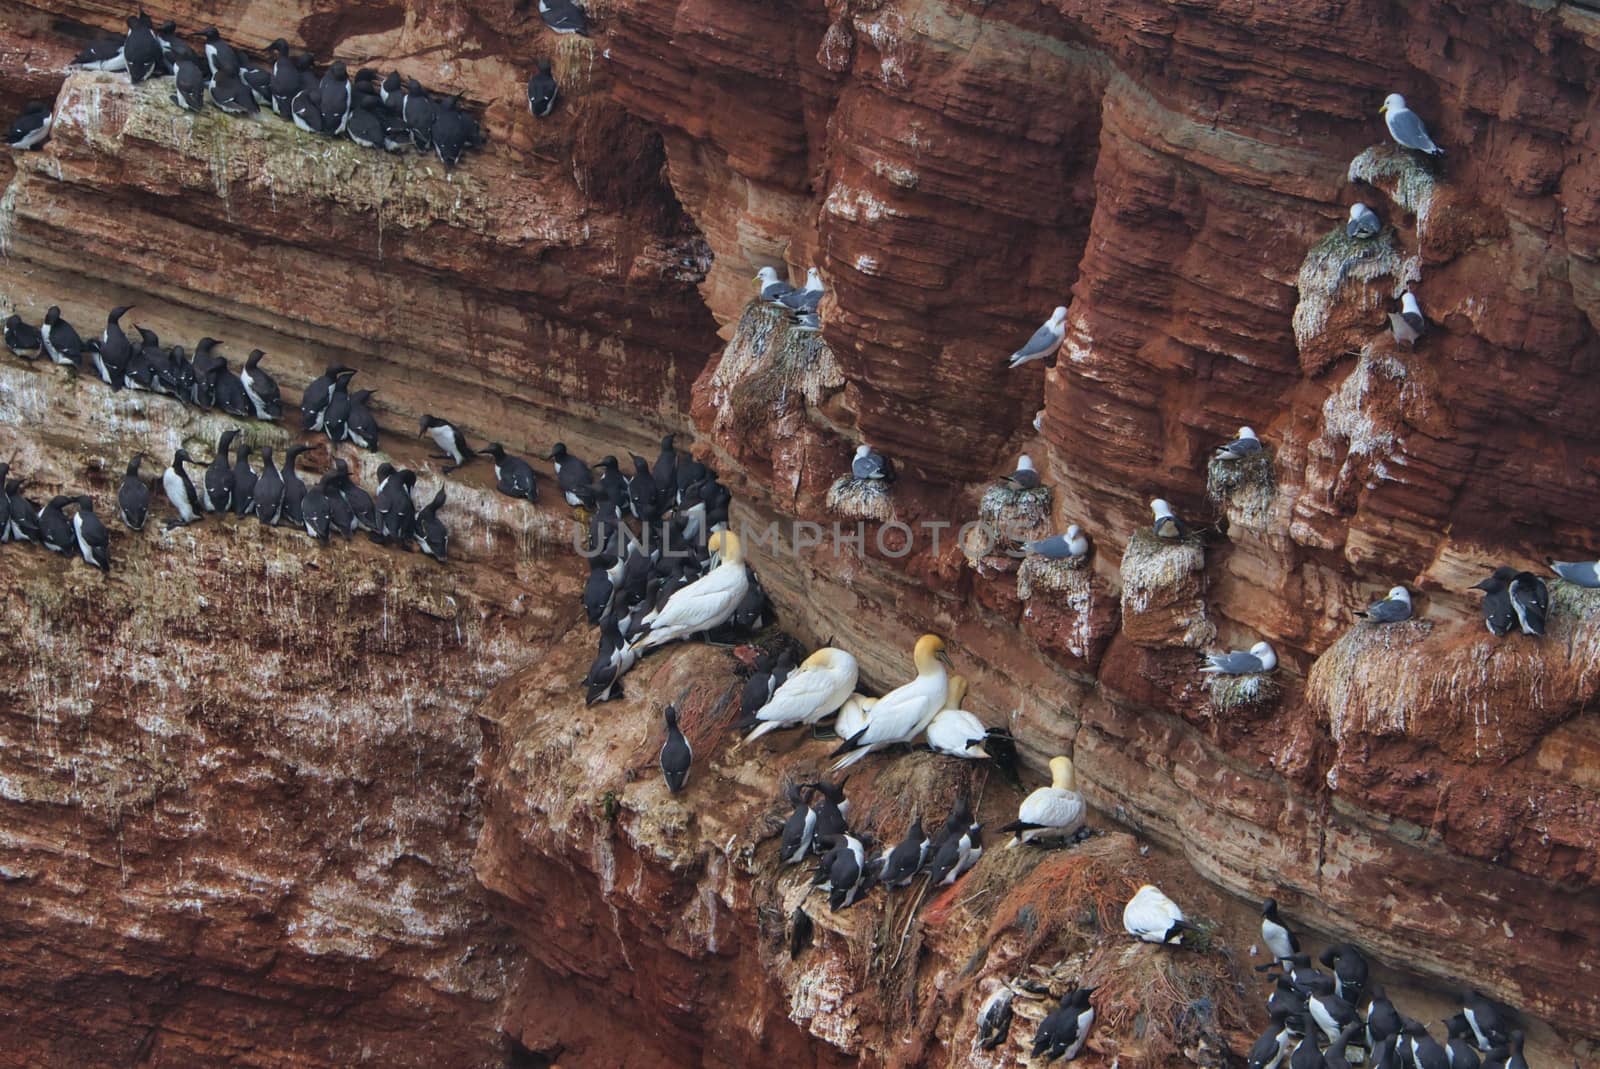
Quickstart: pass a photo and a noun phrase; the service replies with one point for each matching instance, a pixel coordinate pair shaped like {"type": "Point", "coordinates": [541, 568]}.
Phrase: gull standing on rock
{"type": "Point", "coordinates": [805, 300]}
{"type": "Point", "coordinates": [1045, 341]}
{"type": "Point", "coordinates": [1393, 609]}
{"type": "Point", "coordinates": [1025, 477]}
{"type": "Point", "coordinates": [905, 712]}
{"type": "Point", "coordinates": [1408, 324]}
{"type": "Point", "coordinates": [1245, 445]}
{"type": "Point", "coordinates": [1406, 127]}
{"type": "Point", "coordinates": [1259, 658]}
{"type": "Point", "coordinates": [1363, 223]}
{"type": "Point", "coordinates": [1053, 812]}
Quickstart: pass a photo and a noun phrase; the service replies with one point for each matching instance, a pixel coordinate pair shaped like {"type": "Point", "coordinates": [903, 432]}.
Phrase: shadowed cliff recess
{"type": "Point", "coordinates": [1223, 534]}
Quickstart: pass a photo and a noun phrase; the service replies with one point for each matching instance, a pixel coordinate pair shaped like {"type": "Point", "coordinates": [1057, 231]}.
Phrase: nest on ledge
{"type": "Point", "coordinates": [1152, 564]}
{"type": "Point", "coordinates": [1244, 487]}
{"type": "Point", "coordinates": [1070, 576]}
{"type": "Point", "coordinates": [1254, 691]}
{"type": "Point", "coordinates": [1570, 599]}
{"type": "Point", "coordinates": [861, 499]}
{"type": "Point", "coordinates": [1017, 515]}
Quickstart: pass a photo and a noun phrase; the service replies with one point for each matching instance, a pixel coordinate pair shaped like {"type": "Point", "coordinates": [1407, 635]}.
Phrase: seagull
{"type": "Point", "coordinates": [1408, 324]}
{"type": "Point", "coordinates": [1045, 341]}
{"type": "Point", "coordinates": [773, 288]}
{"type": "Point", "coordinates": [871, 464]}
{"type": "Point", "coordinates": [1406, 127]}
{"type": "Point", "coordinates": [1259, 658]}
{"type": "Point", "coordinates": [1364, 222]}
{"type": "Point", "coordinates": [1393, 609]}
{"type": "Point", "coordinates": [1246, 445]}
{"type": "Point", "coordinates": [1580, 573]}
{"type": "Point", "coordinates": [1068, 546]}
{"type": "Point", "coordinates": [1167, 524]}
{"type": "Point", "coordinates": [1025, 477]}
{"type": "Point", "coordinates": [805, 300]}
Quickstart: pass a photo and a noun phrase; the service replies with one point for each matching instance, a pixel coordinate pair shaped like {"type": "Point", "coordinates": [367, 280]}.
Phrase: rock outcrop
{"type": "Point", "coordinates": [319, 800]}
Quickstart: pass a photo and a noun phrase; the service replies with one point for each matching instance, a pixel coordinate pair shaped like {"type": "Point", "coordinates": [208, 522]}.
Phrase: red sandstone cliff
{"type": "Point", "coordinates": [1169, 171]}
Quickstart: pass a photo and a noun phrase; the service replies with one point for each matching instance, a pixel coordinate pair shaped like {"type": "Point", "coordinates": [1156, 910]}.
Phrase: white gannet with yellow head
{"type": "Point", "coordinates": [953, 730]}
{"type": "Point", "coordinates": [817, 688]}
{"type": "Point", "coordinates": [1053, 812]}
{"type": "Point", "coordinates": [704, 604]}
{"type": "Point", "coordinates": [905, 712]}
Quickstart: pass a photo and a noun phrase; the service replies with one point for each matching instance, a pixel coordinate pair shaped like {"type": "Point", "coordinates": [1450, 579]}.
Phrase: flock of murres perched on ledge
{"type": "Point", "coordinates": [678, 572]}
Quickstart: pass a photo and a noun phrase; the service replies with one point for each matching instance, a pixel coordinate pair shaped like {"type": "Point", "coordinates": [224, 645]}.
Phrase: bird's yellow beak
{"type": "Point", "coordinates": [1384, 110]}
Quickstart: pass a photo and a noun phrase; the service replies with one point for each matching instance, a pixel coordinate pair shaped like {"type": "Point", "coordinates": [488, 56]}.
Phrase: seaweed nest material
{"type": "Point", "coordinates": [1069, 576]}
{"type": "Point", "coordinates": [1244, 487]}
{"type": "Point", "coordinates": [861, 499]}
{"type": "Point", "coordinates": [1231, 693]}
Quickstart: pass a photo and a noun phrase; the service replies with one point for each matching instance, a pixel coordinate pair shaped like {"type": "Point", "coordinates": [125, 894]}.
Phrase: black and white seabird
{"type": "Point", "coordinates": [232, 96]}
{"type": "Point", "coordinates": [799, 829]}
{"type": "Point", "coordinates": [432, 537]}
{"type": "Point", "coordinates": [1166, 522]}
{"type": "Point", "coordinates": [244, 483]}
{"type": "Point", "coordinates": [133, 496]}
{"type": "Point", "coordinates": [180, 490]}
{"type": "Point", "coordinates": [1279, 939]}
{"type": "Point", "coordinates": [258, 80]}
{"type": "Point", "coordinates": [316, 513]}
{"type": "Point", "coordinates": [643, 495]}
{"type": "Point", "coordinates": [305, 110]}
{"type": "Point", "coordinates": [294, 488]}
{"type": "Point", "coordinates": [103, 55]}
{"type": "Point", "coordinates": [665, 474]}
{"type": "Point", "coordinates": [1426, 1052]}
{"type": "Point", "coordinates": [1349, 971]}
{"type": "Point", "coordinates": [1460, 1046]}
{"type": "Point", "coordinates": [314, 401]}
{"type": "Point", "coordinates": [573, 477]}
{"type": "Point", "coordinates": [334, 93]}
{"type": "Point", "coordinates": [831, 809]}
{"type": "Point", "coordinates": [56, 532]}
{"type": "Point", "coordinates": [260, 388]}
{"type": "Point", "coordinates": [94, 541]}
{"type": "Point", "coordinates": [336, 420]}
{"type": "Point", "coordinates": [1271, 1047]}
{"type": "Point", "coordinates": [994, 1017]}
{"type": "Point", "coordinates": [1331, 1013]}
{"type": "Point", "coordinates": [364, 510]}
{"type": "Point", "coordinates": [30, 129]}
{"type": "Point", "coordinates": [367, 126]}
{"type": "Point", "coordinates": [1530, 600]}
{"type": "Point", "coordinates": [1408, 324]}
{"type": "Point", "coordinates": [1065, 1029]}
{"type": "Point", "coordinates": [564, 16]}
{"type": "Point", "coordinates": [542, 91]}
{"type": "Point", "coordinates": [216, 484]}
{"type": "Point", "coordinates": [513, 476]}
{"type": "Point", "coordinates": [1363, 223]}
{"type": "Point", "coordinates": [267, 499]}
{"type": "Point", "coordinates": [454, 131]}
{"type": "Point", "coordinates": [676, 754]}
{"type": "Point", "coordinates": [112, 354]}
{"type": "Point", "coordinates": [957, 852]}
{"type": "Point", "coordinates": [220, 56]}
{"type": "Point", "coordinates": [284, 81]}
{"type": "Point", "coordinates": [844, 871]}
{"type": "Point", "coordinates": [1487, 1020]}
{"type": "Point", "coordinates": [1383, 1020]}
{"type": "Point", "coordinates": [1395, 607]}
{"type": "Point", "coordinates": [870, 464]}
{"type": "Point", "coordinates": [141, 51]}
{"type": "Point", "coordinates": [361, 425]}
{"type": "Point", "coordinates": [174, 49]}
{"type": "Point", "coordinates": [448, 437]}
{"type": "Point", "coordinates": [189, 86]}
{"type": "Point", "coordinates": [397, 512]}
{"type": "Point", "coordinates": [23, 340]}
{"type": "Point", "coordinates": [61, 342]}
{"type": "Point", "coordinates": [905, 860]}
{"type": "Point", "coordinates": [22, 521]}
{"type": "Point", "coordinates": [418, 111]}
{"type": "Point", "coordinates": [1499, 616]}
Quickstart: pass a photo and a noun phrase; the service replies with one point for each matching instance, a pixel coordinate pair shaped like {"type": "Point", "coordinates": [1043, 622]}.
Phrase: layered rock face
{"type": "Point", "coordinates": [1176, 175]}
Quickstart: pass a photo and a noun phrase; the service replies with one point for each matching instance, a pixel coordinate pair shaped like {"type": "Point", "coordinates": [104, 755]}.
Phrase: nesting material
{"type": "Point", "coordinates": [1404, 175]}
{"type": "Point", "coordinates": [861, 499]}
{"type": "Point", "coordinates": [769, 366]}
{"type": "Point", "coordinates": [1570, 599]}
{"type": "Point", "coordinates": [1232, 693]}
{"type": "Point", "coordinates": [1163, 587]}
{"type": "Point", "coordinates": [1338, 259]}
{"type": "Point", "coordinates": [1070, 576]}
{"type": "Point", "coordinates": [1244, 488]}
